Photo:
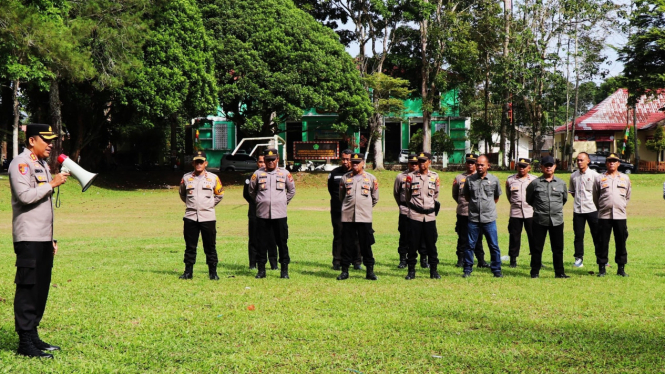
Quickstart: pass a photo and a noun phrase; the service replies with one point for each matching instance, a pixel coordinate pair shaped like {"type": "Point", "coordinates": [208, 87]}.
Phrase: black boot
{"type": "Point", "coordinates": [601, 270]}
{"type": "Point", "coordinates": [40, 344]}
{"type": "Point", "coordinates": [285, 272]}
{"type": "Point", "coordinates": [370, 273]}
{"type": "Point", "coordinates": [344, 274]}
{"type": "Point", "coordinates": [27, 348]}
{"type": "Point", "coordinates": [620, 270]}
{"type": "Point", "coordinates": [513, 262]}
{"type": "Point", "coordinates": [273, 264]}
{"type": "Point", "coordinates": [482, 264]}
{"type": "Point", "coordinates": [402, 261]}
{"type": "Point", "coordinates": [189, 272]}
{"type": "Point", "coordinates": [460, 261]}
{"type": "Point", "coordinates": [261, 273]}
{"type": "Point", "coordinates": [212, 272]}
{"type": "Point", "coordinates": [433, 274]}
{"type": "Point", "coordinates": [423, 262]}
{"type": "Point", "coordinates": [412, 272]}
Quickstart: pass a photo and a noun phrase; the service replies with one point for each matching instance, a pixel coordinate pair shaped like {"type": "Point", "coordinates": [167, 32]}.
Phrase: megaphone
{"type": "Point", "coordinates": [83, 176]}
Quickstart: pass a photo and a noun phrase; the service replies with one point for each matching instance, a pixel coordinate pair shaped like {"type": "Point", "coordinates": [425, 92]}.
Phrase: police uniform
{"type": "Point", "coordinates": [462, 223]}
{"type": "Point", "coordinates": [334, 179]}
{"type": "Point", "coordinates": [547, 199]}
{"type": "Point", "coordinates": [422, 192]}
{"type": "Point", "coordinates": [358, 194]}
{"type": "Point", "coordinates": [32, 231]}
{"type": "Point", "coordinates": [584, 210]}
{"type": "Point", "coordinates": [201, 194]}
{"type": "Point", "coordinates": [481, 193]}
{"type": "Point", "coordinates": [272, 191]}
{"type": "Point", "coordinates": [611, 194]}
{"type": "Point", "coordinates": [521, 213]}
{"type": "Point", "coordinates": [399, 193]}
{"type": "Point", "coordinates": [252, 243]}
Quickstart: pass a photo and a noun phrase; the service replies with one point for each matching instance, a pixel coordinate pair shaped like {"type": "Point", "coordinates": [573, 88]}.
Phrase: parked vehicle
{"type": "Point", "coordinates": [597, 163]}
{"type": "Point", "coordinates": [238, 162]}
{"type": "Point", "coordinates": [403, 156]}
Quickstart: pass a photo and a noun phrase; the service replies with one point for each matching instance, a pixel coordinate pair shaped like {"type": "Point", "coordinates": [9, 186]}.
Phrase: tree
{"type": "Point", "coordinates": [387, 95]}
{"type": "Point", "coordinates": [657, 144]}
{"type": "Point", "coordinates": [275, 61]}
{"type": "Point", "coordinates": [644, 54]}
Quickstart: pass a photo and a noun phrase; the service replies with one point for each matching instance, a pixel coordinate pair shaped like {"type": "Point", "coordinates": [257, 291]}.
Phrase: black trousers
{"type": "Point", "coordinates": [462, 230]}
{"type": "Point", "coordinates": [579, 221]}
{"type": "Point", "coordinates": [34, 262]}
{"type": "Point", "coordinates": [556, 242]}
{"type": "Point", "coordinates": [605, 229]}
{"type": "Point", "coordinates": [336, 220]}
{"type": "Point", "coordinates": [420, 232]}
{"type": "Point", "coordinates": [271, 233]}
{"type": "Point", "coordinates": [253, 244]}
{"type": "Point", "coordinates": [356, 234]}
{"type": "Point", "coordinates": [208, 231]}
{"type": "Point", "coordinates": [515, 230]}
{"type": "Point", "coordinates": [403, 228]}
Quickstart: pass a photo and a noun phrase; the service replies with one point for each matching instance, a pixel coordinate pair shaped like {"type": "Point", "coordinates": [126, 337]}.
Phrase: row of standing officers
{"type": "Point", "coordinates": [536, 206]}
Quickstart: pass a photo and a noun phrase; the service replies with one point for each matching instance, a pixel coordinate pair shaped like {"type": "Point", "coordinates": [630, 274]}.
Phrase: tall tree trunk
{"type": "Point", "coordinates": [424, 86]}
{"type": "Point", "coordinates": [566, 148]}
{"type": "Point", "coordinates": [378, 142]}
{"type": "Point", "coordinates": [577, 91]}
{"type": "Point", "coordinates": [15, 106]}
{"type": "Point", "coordinates": [486, 99]}
{"type": "Point", "coordinates": [80, 133]}
{"type": "Point", "coordinates": [56, 123]}
{"type": "Point", "coordinates": [505, 118]}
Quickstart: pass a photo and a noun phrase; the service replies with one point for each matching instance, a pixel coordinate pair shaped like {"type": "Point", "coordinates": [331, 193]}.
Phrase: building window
{"type": "Point", "coordinates": [603, 146]}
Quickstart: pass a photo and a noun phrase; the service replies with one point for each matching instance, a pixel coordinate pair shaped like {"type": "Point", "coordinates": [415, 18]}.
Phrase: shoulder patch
{"type": "Point", "coordinates": [23, 169]}
{"type": "Point", "coordinates": [253, 177]}
{"type": "Point", "coordinates": [290, 177]}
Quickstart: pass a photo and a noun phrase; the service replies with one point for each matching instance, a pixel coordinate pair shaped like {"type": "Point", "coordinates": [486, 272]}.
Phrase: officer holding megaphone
{"type": "Point", "coordinates": [32, 228]}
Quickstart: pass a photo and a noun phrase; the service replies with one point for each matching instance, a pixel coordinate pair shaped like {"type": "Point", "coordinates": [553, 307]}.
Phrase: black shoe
{"type": "Point", "coordinates": [189, 272]}
{"type": "Point", "coordinates": [433, 274]}
{"type": "Point", "coordinates": [262, 272]}
{"type": "Point", "coordinates": [411, 274]}
{"type": "Point", "coordinates": [27, 348]}
{"type": "Point", "coordinates": [402, 261]}
{"type": "Point", "coordinates": [562, 275]}
{"type": "Point", "coordinates": [513, 262]}
{"type": "Point", "coordinates": [40, 344]}
{"type": "Point", "coordinates": [336, 267]}
{"type": "Point", "coordinates": [285, 272]}
{"type": "Point", "coordinates": [357, 267]}
{"type": "Point", "coordinates": [483, 264]}
{"type": "Point", "coordinates": [498, 275]}
{"type": "Point", "coordinates": [212, 272]}
{"type": "Point", "coordinates": [466, 274]}
{"type": "Point", "coordinates": [460, 261]}
{"type": "Point", "coordinates": [601, 270]}
{"type": "Point", "coordinates": [345, 273]}
{"type": "Point", "coordinates": [423, 262]}
{"type": "Point", "coordinates": [273, 264]}
{"type": "Point", "coordinates": [370, 273]}
{"type": "Point", "coordinates": [534, 276]}
{"type": "Point", "coordinates": [620, 270]}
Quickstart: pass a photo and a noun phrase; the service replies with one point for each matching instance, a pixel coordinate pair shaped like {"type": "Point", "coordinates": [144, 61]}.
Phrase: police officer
{"type": "Point", "coordinates": [399, 193]}
{"type": "Point", "coordinates": [201, 191]}
{"type": "Point", "coordinates": [334, 179]}
{"type": "Point", "coordinates": [252, 245]}
{"type": "Point", "coordinates": [584, 209]}
{"type": "Point", "coordinates": [422, 192]}
{"type": "Point", "coordinates": [32, 229]}
{"type": "Point", "coordinates": [611, 193]}
{"type": "Point", "coordinates": [547, 195]}
{"type": "Point", "coordinates": [462, 224]}
{"type": "Point", "coordinates": [358, 192]}
{"type": "Point", "coordinates": [272, 188]}
{"type": "Point", "coordinates": [482, 191]}
{"type": "Point", "coordinates": [521, 213]}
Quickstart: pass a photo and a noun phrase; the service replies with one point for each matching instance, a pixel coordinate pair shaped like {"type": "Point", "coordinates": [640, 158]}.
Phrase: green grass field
{"type": "Point", "coordinates": [117, 305]}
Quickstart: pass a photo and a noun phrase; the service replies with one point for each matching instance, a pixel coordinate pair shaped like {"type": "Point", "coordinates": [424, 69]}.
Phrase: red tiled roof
{"type": "Point", "coordinates": [612, 114]}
